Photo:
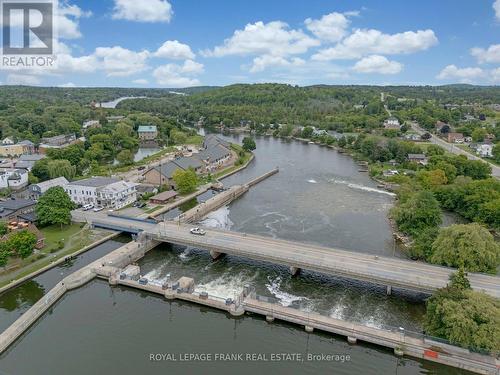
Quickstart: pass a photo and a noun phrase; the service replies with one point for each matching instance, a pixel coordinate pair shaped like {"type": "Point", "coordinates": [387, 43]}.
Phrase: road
{"type": "Point", "coordinates": [393, 272]}
{"type": "Point", "coordinates": [495, 170]}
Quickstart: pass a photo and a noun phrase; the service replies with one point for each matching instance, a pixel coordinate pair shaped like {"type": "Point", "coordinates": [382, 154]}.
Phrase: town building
{"type": "Point", "coordinates": [14, 179]}
{"type": "Point", "coordinates": [37, 190]}
{"type": "Point", "coordinates": [456, 138]}
{"type": "Point", "coordinates": [17, 209]}
{"type": "Point", "coordinates": [59, 141]}
{"type": "Point", "coordinates": [143, 189]}
{"type": "Point", "coordinates": [163, 175]}
{"type": "Point", "coordinates": [102, 192]}
{"type": "Point", "coordinates": [485, 150]}
{"type": "Point", "coordinates": [392, 123]}
{"type": "Point", "coordinates": [147, 132]}
{"type": "Point", "coordinates": [164, 198]}
{"type": "Point", "coordinates": [214, 157]}
{"type": "Point", "coordinates": [28, 161]}
{"type": "Point", "coordinates": [8, 141]}
{"type": "Point", "coordinates": [417, 158]}
{"type": "Point", "coordinates": [11, 150]}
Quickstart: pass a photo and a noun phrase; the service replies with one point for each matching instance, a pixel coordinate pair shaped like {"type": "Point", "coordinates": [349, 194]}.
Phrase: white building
{"type": "Point", "coordinates": [8, 141]}
{"type": "Point", "coordinates": [37, 190]}
{"type": "Point", "coordinates": [102, 192]}
{"type": "Point", "coordinates": [14, 179]}
{"type": "Point", "coordinates": [485, 150]}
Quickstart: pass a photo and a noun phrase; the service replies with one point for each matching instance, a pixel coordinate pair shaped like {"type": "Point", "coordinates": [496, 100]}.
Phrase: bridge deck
{"type": "Point", "coordinates": [397, 273]}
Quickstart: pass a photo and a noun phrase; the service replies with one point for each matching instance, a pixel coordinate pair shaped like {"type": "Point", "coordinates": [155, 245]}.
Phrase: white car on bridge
{"type": "Point", "coordinates": [198, 231]}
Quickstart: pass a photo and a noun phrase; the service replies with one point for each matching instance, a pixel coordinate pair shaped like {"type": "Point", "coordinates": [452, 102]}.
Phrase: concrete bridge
{"type": "Point", "coordinates": [390, 272]}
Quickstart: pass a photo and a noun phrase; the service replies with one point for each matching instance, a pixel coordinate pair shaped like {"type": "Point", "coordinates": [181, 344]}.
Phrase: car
{"type": "Point", "coordinates": [97, 209]}
{"type": "Point", "coordinates": [141, 168]}
{"type": "Point", "coordinates": [88, 207]}
{"type": "Point", "coordinates": [198, 231]}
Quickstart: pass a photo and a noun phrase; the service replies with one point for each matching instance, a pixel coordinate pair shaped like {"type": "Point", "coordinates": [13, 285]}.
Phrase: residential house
{"type": "Point", "coordinates": [14, 209]}
{"type": "Point", "coordinates": [485, 150]}
{"type": "Point", "coordinates": [14, 179]}
{"type": "Point", "coordinates": [28, 147]}
{"type": "Point", "coordinates": [143, 189]}
{"type": "Point", "coordinates": [214, 157]}
{"type": "Point", "coordinates": [28, 161]}
{"type": "Point", "coordinates": [164, 198]}
{"type": "Point", "coordinates": [90, 124]}
{"type": "Point", "coordinates": [163, 175]}
{"type": "Point", "coordinates": [456, 138]}
{"type": "Point", "coordinates": [11, 150]}
{"type": "Point", "coordinates": [59, 141]}
{"type": "Point", "coordinates": [8, 141]}
{"type": "Point", "coordinates": [392, 123]}
{"type": "Point", "coordinates": [147, 132]}
{"type": "Point", "coordinates": [102, 192]}
{"type": "Point", "coordinates": [417, 158]}
{"type": "Point", "coordinates": [37, 190]}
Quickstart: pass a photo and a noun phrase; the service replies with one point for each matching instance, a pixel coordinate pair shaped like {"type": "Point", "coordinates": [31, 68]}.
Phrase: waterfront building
{"type": "Point", "coordinates": [37, 190]}
{"type": "Point", "coordinates": [147, 132]}
{"type": "Point", "coordinates": [17, 209]}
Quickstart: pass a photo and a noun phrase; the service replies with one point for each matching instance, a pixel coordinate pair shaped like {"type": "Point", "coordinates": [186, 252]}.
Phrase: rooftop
{"type": "Point", "coordinates": [46, 185]}
{"type": "Point", "coordinates": [95, 182]}
{"type": "Point", "coordinates": [166, 195]}
{"type": "Point", "coordinates": [146, 129]}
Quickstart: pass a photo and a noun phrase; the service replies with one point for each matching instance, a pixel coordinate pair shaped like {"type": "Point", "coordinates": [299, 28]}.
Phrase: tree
{"type": "Point", "coordinates": [479, 134]}
{"type": "Point", "coordinates": [470, 246]}
{"type": "Point", "coordinates": [420, 211]}
{"type": "Point", "coordinates": [4, 253]}
{"type": "Point", "coordinates": [3, 228]}
{"type": "Point", "coordinates": [21, 243]}
{"type": "Point", "coordinates": [125, 157]}
{"type": "Point", "coordinates": [54, 207]}
{"type": "Point", "coordinates": [41, 170]}
{"type": "Point", "coordinates": [186, 181]}
{"type": "Point", "coordinates": [464, 317]}
{"type": "Point", "coordinates": [249, 144]}
{"type": "Point", "coordinates": [307, 132]}
{"type": "Point", "coordinates": [61, 168]}
{"type": "Point", "coordinates": [431, 179]}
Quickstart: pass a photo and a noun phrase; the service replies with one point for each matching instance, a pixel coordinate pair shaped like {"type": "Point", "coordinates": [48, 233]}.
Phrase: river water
{"type": "Point", "coordinates": [318, 197]}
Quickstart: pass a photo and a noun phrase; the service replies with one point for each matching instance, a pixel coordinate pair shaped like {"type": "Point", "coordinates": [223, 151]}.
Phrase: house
{"type": "Point", "coordinates": [417, 158]}
{"type": "Point", "coordinates": [102, 192]}
{"type": "Point", "coordinates": [90, 124]}
{"type": "Point", "coordinates": [37, 190]}
{"type": "Point", "coordinates": [163, 175]}
{"type": "Point", "coordinates": [59, 141]}
{"type": "Point", "coordinates": [115, 118]}
{"type": "Point", "coordinates": [10, 151]}
{"type": "Point", "coordinates": [16, 208]}
{"type": "Point", "coordinates": [214, 157]}
{"type": "Point", "coordinates": [147, 132]}
{"type": "Point", "coordinates": [28, 147]}
{"type": "Point", "coordinates": [164, 198]}
{"type": "Point", "coordinates": [212, 140]}
{"type": "Point", "coordinates": [8, 141]}
{"type": "Point", "coordinates": [28, 161]}
{"type": "Point", "coordinates": [143, 189]}
{"type": "Point", "coordinates": [392, 123]}
{"type": "Point", "coordinates": [11, 178]}
{"type": "Point", "coordinates": [455, 138]}
{"type": "Point", "coordinates": [485, 150]}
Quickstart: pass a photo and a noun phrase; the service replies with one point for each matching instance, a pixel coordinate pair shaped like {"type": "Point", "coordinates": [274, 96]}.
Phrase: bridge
{"type": "Point", "coordinates": [386, 271]}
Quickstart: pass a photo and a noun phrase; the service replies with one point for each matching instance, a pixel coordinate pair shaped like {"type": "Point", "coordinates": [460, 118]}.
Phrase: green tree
{"type": "Point", "coordinates": [3, 228]}
{"type": "Point", "coordinates": [4, 253]}
{"type": "Point", "coordinates": [478, 134]}
{"type": "Point", "coordinates": [307, 132]}
{"type": "Point", "coordinates": [470, 246]}
{"type": "Point", "coordinates": [249, 144]}
{"type": "Point", "coordinates": [61, 168]}
{"type": "Point", "coordinates": [41, 170]}
{"type": "Point", "coordinates": [21, 243]}
{"type": "Point", "coordinates": [125, 157]}
{"type": "Point", "coordinates": [186, 181]}
{"type": "Point", "coordinates": [420, 211]}
{"type": "Point", "coordinates": [54, 207]}
{"type": "Point", "coordinates": [464, 317]}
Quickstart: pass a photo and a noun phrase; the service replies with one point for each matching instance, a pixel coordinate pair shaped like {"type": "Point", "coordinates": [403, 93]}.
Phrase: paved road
{"type": "Point", "coordinates": [495, 170]}
{"type": "Point", "coordinates": [393, 272]}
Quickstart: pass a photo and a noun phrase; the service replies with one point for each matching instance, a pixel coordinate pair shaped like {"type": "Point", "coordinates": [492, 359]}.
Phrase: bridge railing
{"type": "Point", "coordinates": [403, 333]}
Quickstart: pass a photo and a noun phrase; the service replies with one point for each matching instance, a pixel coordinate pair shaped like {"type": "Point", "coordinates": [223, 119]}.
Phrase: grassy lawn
{"type": "Point", "coordinates": [54, 234]}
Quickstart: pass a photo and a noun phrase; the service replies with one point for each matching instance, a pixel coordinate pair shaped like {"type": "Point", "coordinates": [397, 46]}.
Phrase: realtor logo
{"type": "Point", "coordinates": [28, 33]}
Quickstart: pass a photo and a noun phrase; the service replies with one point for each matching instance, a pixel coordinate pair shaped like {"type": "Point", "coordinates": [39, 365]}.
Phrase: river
{"type": "Point", "coordinates": [319, 197]}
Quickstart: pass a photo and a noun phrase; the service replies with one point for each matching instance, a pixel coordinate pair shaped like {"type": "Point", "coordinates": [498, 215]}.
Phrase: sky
{"type": "Point", "coordinates": [183, 43]}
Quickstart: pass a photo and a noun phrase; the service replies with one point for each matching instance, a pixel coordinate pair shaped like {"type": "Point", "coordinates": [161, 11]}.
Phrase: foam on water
{"type": "Point", "coordinates": [218, 219]}
{"type": "Point", "coordinates": [226, 286]}
{"type": "Point", "coordinates": [285, 299]}
{"type": "Point", "coordinates": [312, 181]}
{"type": "Point", "coordinates": [362, 187]}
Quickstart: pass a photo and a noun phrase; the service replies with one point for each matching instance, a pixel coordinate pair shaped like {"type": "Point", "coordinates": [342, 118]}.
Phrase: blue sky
{"type": "Point", "coordinates": [179, 43]}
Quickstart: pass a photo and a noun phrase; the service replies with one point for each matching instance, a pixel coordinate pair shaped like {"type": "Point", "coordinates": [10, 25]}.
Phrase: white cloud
{"type": "Point", "coordinates": [118, 61]}
{"type": "Point", "coordinates": [67, 21]}
{"type": "Point", "coordinates": [67, 85]}
{"type": "Point", "coordinates": [452, 72]}
{"type": "Point", "coordinates": [364, 42]}
{"type": "Point", "coordinates": [331, 27]}
{"type": "Point", "coordinates": [377, 64]}
{"type": "Point", "coordinates": [140, 81]}
{"type": "Point", "coordinates": [274, 38]}
{"type": "Point", "coordinates": [261, 63]}
{"type": "Point", "coordinates": [496, 7]}
{"type": "Point", "coordinates": [495, 75]}
{"type": "Point", "coordinates": [175, 75]}
{"type": "Point", "coordinates": [23, 79]}
{"type": "Point", "coordinates": [490, 55]}
{"type": "Point", "coordinates": [143, 10]}
{"type": "Point", "coordinates": [173, 49]}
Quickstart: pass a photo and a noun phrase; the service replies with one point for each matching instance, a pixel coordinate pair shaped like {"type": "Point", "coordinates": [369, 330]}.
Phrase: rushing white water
{"type": "Point", "coordinates": [218, 219]}
{"type": "Point", "coordinates": [362, 187]}
{"type": "Point", "coordinates": [226, 286]}
{"type": "Point", "coordinates": [285, 299]}
{"type": "Point", "coordinates": [312, 181]}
